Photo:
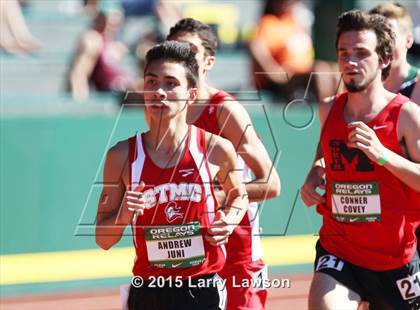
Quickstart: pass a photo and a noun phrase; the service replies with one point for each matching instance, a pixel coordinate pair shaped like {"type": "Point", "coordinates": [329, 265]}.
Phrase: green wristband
{"type": "Point", "coordinates": [382, 160]}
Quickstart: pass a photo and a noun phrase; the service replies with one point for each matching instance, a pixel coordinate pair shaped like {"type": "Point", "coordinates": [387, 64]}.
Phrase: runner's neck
{"type": "Point", "coordinates": [365, 105]}
{"type": "Point", "coordinates": [167, 136]}
{"type": "Point", "coordinates": [396, 77]}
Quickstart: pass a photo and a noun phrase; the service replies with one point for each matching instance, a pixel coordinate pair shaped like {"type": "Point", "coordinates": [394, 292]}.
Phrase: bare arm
{"type": "Point", "coordinates": [84, 64]}
{"type": "Point", "coordinates": [315, 177]}
{"type": "Point", "coordinates": [323, 111]}
{"type": "Point", "coordinates": [116, 207]}
{"type": "Point", "coordinates": [237, 127]}
{"type": "Point", "coordinates": [405, 169]}
{"type": "Point", "coordinates": [222, 154]}
{"type": "Point", "coordinates": [168, 13]}
{"type": "Point", "coordinates": [415, 96]}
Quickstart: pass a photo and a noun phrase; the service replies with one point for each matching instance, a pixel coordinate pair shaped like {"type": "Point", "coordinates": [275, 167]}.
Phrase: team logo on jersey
{"type": "Point", "coordinates": [211, 109]}
{"type": "Point", "coordinates": [172, 212]}
{"type": "Point", "coordinates": [186, 172]}
{"type": "Point", "coordinates": [340, 153]}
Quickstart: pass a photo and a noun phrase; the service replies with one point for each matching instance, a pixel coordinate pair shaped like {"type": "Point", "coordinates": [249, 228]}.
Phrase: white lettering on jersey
{"type": "Point", "coordinates": [172, 192]}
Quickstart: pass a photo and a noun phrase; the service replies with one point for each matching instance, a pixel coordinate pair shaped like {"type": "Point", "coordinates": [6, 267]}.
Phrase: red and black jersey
{"type": "Point", "coordinates": [387, 241]}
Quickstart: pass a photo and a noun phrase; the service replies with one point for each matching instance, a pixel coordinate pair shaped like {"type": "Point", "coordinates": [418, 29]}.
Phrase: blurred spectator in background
{"type": "Point", "coordinates": [99, 55]}
{"type": "Point", "coordinates": [282, 49]}
{"type": "Point", "coordinates": [166, 11]}
{"type": "Point", "coordinates": [91, 6]}
{"type": "Point", "coordinates": [403, 77]}
{"type": "Point", "coordinates": [15, 37]}
{"type": "Point", "coordinates": [98, 58]}
{"type": "Point", "coordinates": [164, 14]}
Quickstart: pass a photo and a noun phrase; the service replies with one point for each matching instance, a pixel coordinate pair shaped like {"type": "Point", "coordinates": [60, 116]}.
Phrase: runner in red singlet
{"type": "Point", "coordinates": [218, 112]}
{"type": "Point", "coordinates": [370, 155]}
{"type": "Point", "coordinates": [403, 77]}
{"type": "Point", "coordinates": [160, 182]}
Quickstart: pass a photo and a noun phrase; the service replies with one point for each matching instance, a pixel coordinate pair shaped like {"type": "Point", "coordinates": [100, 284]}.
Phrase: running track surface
{"type": "Point", "coordinates": [291, 298]}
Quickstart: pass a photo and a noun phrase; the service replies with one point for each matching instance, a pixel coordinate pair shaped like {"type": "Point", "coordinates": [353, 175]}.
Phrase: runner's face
{"type": "Point", "coordinates": [166, 89]}
{"type": "Point", "coordinates": [195, 40]}
{"type": "Point", "coordinates": [357, 59]}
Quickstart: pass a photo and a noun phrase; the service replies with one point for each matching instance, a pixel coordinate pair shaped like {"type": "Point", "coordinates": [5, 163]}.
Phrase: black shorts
{"type": "Point", "coordinates": [390, 289]}
{"type": "Point", "coordinates": [191, 295]}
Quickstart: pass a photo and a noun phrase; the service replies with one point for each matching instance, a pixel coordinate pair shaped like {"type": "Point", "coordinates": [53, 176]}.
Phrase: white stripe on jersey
{"type": "Point", "coordinates": [199, 160]}
{"type": "Point", "coordinates": [136, 170]}
{"type": "Point", "coordinates": [252, 212]}
{"type": "Point", "coordinates": [254, 218]}
{"type": "Point", "coordinates": [137, 164]}
{"type": "Point", "coordinates": [222, 291]}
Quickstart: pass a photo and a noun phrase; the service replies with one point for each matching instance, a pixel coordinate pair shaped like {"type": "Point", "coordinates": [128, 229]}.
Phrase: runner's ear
{"type": "Point", "coordinates": [386, 62]}
{"type": "Point", "coordinates": [209, 63]}
{"type": "Point", "coordinates": [409, 40]}
{"type": "Point", "coordinates": [192, 95]}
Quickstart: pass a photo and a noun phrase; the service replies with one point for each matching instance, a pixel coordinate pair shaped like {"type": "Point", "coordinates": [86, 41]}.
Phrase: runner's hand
{"type": "Point", "coordinates": [364, 138]}
{"type": "Point", "coordinates": [314, 180]}
{"type": "Point", "coordinates": [133, 204]}
{"type": "Point", "coordinates": [219, 231]}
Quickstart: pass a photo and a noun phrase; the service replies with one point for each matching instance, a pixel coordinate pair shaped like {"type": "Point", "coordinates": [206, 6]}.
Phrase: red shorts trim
{"type": "Point", "coordinates": [241, 293]}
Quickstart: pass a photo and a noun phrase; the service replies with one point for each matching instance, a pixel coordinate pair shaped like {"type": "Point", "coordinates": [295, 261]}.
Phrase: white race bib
{"type": "Point", "coordinates": [174, 246]}
{"type": "Point", "coordinates": [356, 202]}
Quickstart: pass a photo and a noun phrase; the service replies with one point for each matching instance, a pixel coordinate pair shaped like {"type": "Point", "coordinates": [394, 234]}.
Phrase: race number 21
{"type": "Point", "coordinates": [410, 287]}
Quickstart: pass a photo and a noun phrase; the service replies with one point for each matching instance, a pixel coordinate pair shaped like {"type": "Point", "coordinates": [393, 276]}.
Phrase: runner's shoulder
{"type": "Point", "coordinates": [325, 107]}
{"type": "Point", "coordinates": [410, 114]}
{"type": "Point", "coordinates": [118, 153]}
{"type": "Point", "coordinates": [220, 149]}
